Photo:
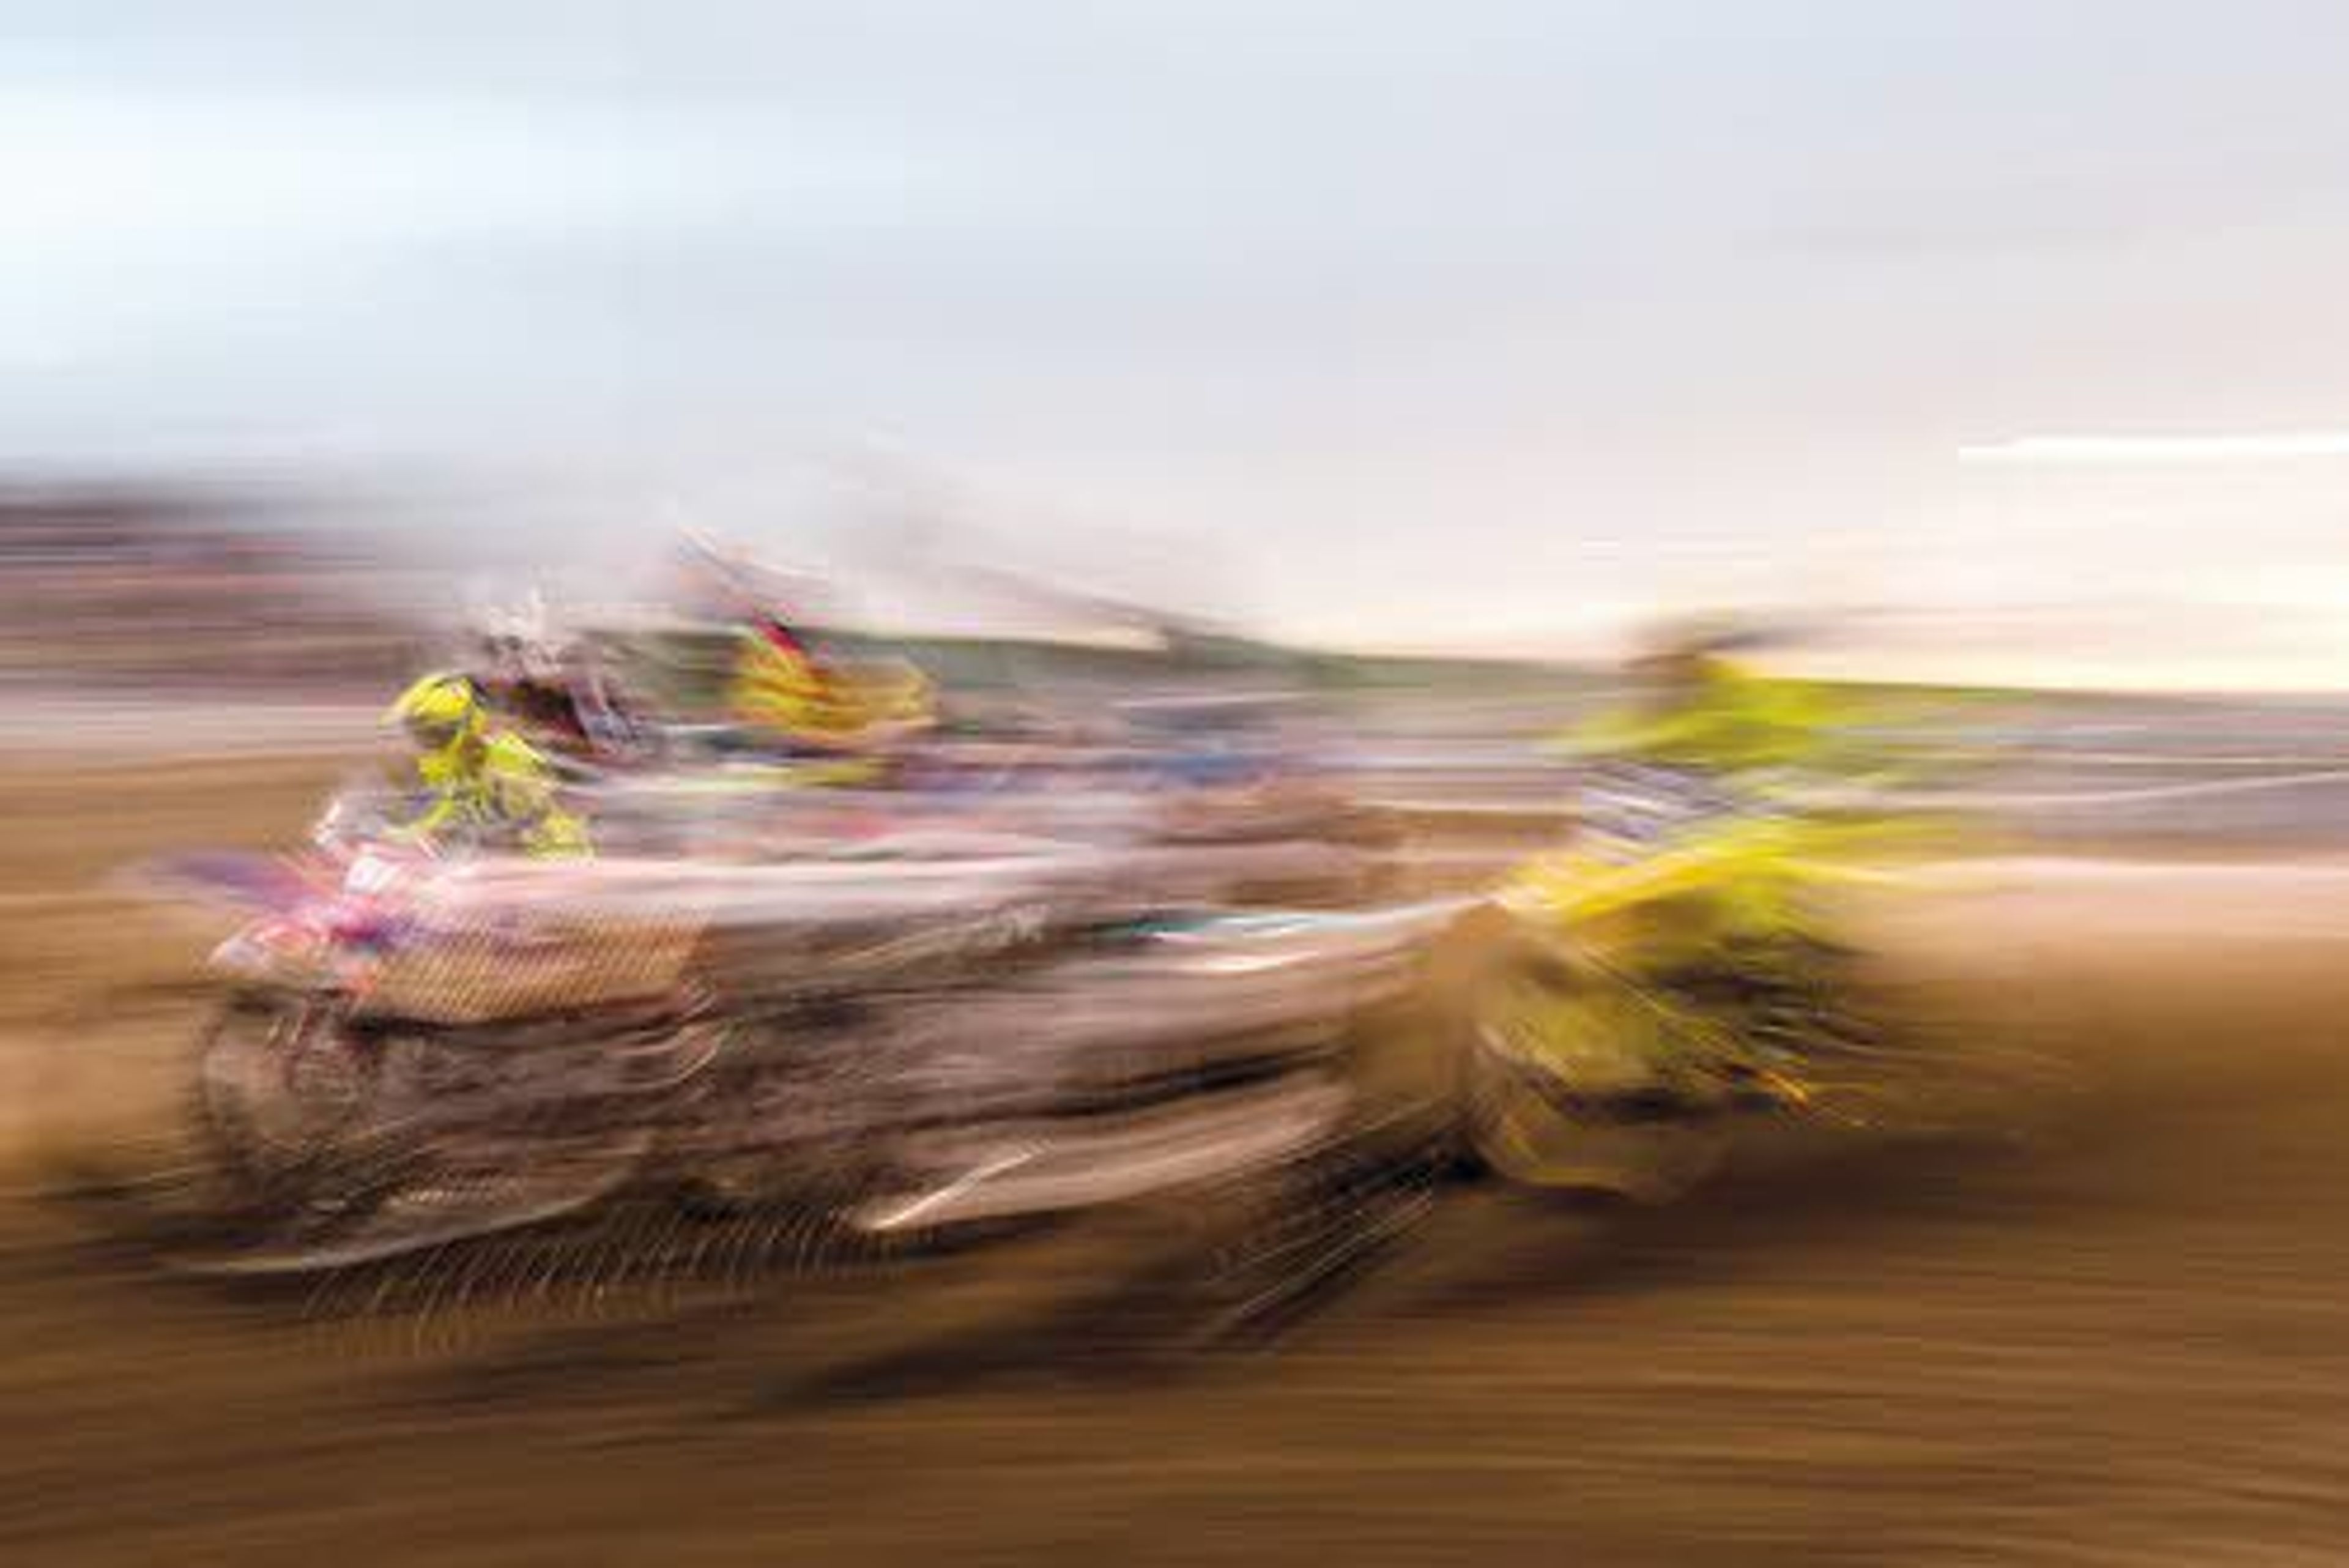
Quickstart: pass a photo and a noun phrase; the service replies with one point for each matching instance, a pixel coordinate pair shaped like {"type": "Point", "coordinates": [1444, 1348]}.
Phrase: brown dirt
{"type": "Point", "coordinates": [2121, 1340]}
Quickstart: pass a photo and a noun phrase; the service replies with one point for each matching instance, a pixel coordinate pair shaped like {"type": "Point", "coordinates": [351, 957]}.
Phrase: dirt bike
{"type": "Point", "coordinates": [1637, 997]}
{"type": "Point", "coordinates": [416, 1051]}
{"type": "Point", "coordinates": [392, 1068]}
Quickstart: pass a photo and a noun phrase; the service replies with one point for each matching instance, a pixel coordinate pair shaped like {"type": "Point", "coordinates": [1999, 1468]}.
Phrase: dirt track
{"type": "Point", "coordinates": [2123, 1340]}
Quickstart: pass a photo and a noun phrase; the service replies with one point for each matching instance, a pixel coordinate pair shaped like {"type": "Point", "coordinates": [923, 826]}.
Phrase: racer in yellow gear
{"type": "Point", "coordinates": [835, 722]}
{"type": "Point", "coordinates": [482, 783]}
{"type": "Point", "coordinates": [1686, 953]}
{"type": "Point", "coordinates": [848, 713]}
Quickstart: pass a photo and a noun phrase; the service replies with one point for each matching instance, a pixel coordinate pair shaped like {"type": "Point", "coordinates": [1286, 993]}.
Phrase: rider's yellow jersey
{"type": "Point", "coordinates": [1729, 720]}
{"type": "Point", "coordinates": [501, 787]}
{"type": "Point", "coordinates": [781, 689]}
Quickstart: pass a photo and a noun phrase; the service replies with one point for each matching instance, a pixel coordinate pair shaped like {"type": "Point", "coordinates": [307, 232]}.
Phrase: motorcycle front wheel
{"type": "Point", "coordinates": [1574, 1111]}
{"type": "Point", "coordinates": [284, 1090]}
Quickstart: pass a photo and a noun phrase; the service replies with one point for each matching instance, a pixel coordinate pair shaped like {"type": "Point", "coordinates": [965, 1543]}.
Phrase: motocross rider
{"type": "Point", "coordinates": [1703, 739]}
{"type": "Point", "coordinates": [789, 697]}
{"type": "Point", "coordinates": [481, 782]}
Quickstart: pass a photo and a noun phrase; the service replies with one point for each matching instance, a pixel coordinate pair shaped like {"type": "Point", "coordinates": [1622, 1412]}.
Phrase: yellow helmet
{"type": "Point", "coordinates": [437, 711]}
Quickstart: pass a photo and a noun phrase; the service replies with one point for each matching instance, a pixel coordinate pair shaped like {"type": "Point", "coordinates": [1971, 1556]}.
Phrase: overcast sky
{"type": "Point", "coordinates": [1479, 322]}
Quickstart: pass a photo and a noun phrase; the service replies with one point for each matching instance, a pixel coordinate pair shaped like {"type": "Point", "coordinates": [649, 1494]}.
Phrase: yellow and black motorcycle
{"type": "Point", "coordinates": [1685, 961]}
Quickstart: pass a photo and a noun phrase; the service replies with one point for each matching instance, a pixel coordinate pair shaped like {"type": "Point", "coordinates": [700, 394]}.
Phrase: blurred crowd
{"type": "Point", "coordinates": [164, 587]}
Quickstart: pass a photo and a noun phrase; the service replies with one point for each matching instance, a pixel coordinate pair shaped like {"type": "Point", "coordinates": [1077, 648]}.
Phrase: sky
{"type": "Point", "coordinates": [1493, 326]}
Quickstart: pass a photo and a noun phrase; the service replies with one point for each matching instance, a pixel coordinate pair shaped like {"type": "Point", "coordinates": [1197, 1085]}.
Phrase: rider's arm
{"type": "Point", "coordinates": [523, 788]}
{"type": "Point", "coordinates": [439, 810]}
